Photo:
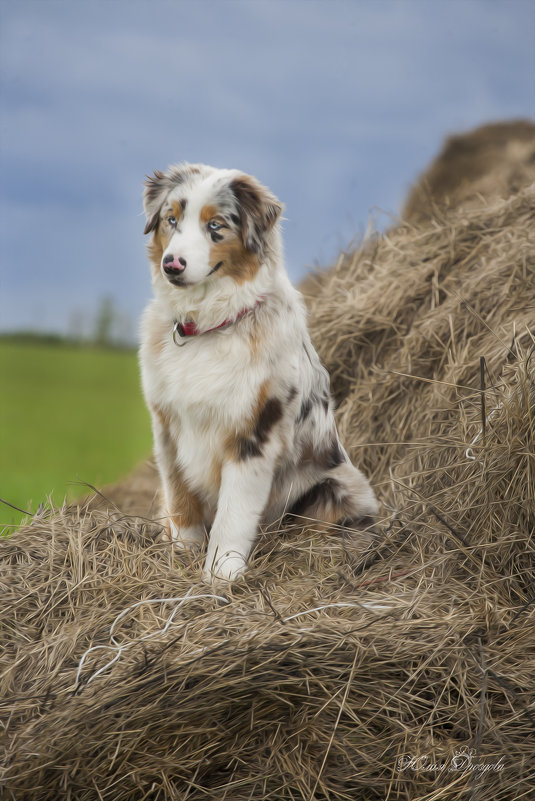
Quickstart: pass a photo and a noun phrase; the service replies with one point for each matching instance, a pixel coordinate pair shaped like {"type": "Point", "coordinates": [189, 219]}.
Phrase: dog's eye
{"type": "Point", "coordinates": [171, 220]}
{"type": "Point", "coordinates": [213, 225]}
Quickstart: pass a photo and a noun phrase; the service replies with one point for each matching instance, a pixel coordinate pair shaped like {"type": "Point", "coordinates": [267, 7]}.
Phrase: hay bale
{"type": "Point", "coordinates": [491, 162]}
{"type": "Point", "coordinates": [324, 673]}
{"type": "Point", "coordinates": [403, 323]}
{"type": "Point", "coordinates": [137, 494]}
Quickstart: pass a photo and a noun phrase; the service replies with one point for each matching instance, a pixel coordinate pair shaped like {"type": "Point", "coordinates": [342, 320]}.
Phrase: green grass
{"type": "Point", "coordinates": [67, 415]}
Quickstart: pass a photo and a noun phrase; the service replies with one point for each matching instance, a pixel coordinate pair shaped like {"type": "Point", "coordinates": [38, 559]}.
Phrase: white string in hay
{"type": "Point", "coordinates": [366, 605]}
{"type": "Point", "coordinates": [119, 648]}
{"type": "Point", "coordinates": [469, 453]}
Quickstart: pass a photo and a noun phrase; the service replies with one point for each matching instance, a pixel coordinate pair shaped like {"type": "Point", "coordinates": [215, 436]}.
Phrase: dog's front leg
{"type": "Point", "coordinates": [243, 495]}
{"type": "Point", "coordinates": [181, 508]}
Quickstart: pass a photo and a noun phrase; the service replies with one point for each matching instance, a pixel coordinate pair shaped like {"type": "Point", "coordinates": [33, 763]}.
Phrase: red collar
{"type": "Point", "coordinates": [181, 331]}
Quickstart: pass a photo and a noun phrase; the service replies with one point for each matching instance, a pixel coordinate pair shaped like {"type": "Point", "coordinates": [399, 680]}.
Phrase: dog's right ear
{"type": "Point", "coordinates": [156, 188]}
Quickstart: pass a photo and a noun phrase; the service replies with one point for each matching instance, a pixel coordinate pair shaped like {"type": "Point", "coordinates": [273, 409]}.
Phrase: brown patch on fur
{"type": "Point", "coordinates": [182, 506]}
{"type": "Point", "coordinates": [215, 474]}
{"type": "Point", "coordinates": [208, 213]}
{"type": "Point", "coordinates": [156, 248]}
{"type": "Point", "coordinates": [185, 507]}
{"type": "Point", "coordinates": [177, 210]}
{"type": "Point", "coordinates": [255, 340]}
{"type": "Point", "coordinates": [260, 402]}
{"type": "Point", "coordinates": [239, 263]}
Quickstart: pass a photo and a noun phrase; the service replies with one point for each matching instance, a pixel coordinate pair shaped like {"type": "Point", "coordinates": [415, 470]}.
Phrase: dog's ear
{"type": "Point", "coordinates": [258, 210]}
{"type": "Point", "coordinates": [156, 188]}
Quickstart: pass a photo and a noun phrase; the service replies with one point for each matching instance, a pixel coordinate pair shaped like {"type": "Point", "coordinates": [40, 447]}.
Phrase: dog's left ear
{"type": "Point", "coordinates": [258, 208]}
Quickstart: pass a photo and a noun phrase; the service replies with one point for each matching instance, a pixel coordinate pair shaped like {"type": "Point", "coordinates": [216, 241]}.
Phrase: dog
{"type": "Point", "coordinates": [242, 417]}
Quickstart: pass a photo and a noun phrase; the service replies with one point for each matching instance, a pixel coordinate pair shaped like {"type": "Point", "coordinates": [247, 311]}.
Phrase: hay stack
{"type": "Point", "coordinates": [403, 323]}
{"type": "Point", "coordinates": [493, 161]}
{"type": "Point", "coordinates": [406, 672]}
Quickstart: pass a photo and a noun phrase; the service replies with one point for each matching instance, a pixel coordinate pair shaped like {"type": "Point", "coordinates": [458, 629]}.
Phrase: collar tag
{"type": "Point", "coordinates": [179, 330]}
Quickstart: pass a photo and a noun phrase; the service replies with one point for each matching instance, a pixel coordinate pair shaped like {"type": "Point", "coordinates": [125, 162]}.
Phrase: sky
{"type": "Point", "coordinates": [336, 105]}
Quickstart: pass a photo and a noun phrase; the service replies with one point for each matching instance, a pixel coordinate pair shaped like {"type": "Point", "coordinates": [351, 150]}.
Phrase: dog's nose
{"type": "Point", "coordinates": [172, 264]}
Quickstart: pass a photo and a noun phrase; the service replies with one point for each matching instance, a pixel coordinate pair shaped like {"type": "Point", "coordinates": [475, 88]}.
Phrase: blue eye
{"type": "Point", "coordinates": [171, 220]}
{"type": "Point", "coordinates": [213, 225]}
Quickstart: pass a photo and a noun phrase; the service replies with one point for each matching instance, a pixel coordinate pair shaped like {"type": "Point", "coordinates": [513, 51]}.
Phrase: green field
{"type": "Point", "coordinates": [67, 415]}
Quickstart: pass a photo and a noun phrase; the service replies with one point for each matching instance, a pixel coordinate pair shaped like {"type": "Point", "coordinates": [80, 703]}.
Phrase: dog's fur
{"type": "Point", "coordinates": [242, 417]}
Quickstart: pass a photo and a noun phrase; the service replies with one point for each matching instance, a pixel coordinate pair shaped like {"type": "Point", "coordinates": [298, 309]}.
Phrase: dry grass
{"type": "Point", "coordinates": [403, 323]}
{"type": "Point", "coordinates": [314, 675]}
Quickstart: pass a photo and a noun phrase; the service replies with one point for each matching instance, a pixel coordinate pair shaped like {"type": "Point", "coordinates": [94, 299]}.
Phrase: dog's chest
{"type": "Point", "coordinates": [208, 384]}
{"type": "Point", "coordinates": [209, 391]}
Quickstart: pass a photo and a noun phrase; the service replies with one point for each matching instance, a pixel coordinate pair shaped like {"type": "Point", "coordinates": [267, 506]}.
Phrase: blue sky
{"type": "Point", "coordinates": [337, 106]}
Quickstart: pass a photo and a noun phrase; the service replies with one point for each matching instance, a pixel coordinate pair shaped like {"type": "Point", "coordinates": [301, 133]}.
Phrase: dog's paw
{"type": "Point", "coordinates": [184, 538]}
{"type": "Point", "coordinates": [227, 567]}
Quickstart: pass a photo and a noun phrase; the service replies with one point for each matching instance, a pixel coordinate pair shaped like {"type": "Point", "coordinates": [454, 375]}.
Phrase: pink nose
{"type": "Point", "coordinates": [174, 264]}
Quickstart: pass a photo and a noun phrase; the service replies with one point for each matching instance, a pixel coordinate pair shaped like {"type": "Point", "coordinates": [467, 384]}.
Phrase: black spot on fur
{"type": "Point", "coordinates": [269, 416]}
{"type": "Point", "coordinates": [306, 408]}
{"type": "Point", "coordinates": [215, 236]}
{"type": "Point", "coordinates": [322, 493]}
{"type": "Point", "coordinates": [357, 522]}
{"type": "Point", "coordinates": [247, 448]}
{"type": "Point", "coordinates": [291, 394]}
{"type": "Point", "coordinates": [308, 404]}
{"type": "Point", "coordinates": [332, 456]}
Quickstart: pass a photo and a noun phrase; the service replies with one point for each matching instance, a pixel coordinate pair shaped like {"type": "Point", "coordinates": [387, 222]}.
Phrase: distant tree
{"type": "Point", "coordinates": [77, 327]}
{"type": "Point", "coordinates": [112, 327]}
{"type": "Point", "coordinates": [104, 322]}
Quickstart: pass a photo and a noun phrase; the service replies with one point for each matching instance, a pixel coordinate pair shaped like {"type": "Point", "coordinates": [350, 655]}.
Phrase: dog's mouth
{"type": "Point", "coordinates": [176, 280]}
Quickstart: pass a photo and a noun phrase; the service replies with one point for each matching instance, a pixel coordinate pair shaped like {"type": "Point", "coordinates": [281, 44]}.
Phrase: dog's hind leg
{"type": "Point", "coordinates": [341, 496]}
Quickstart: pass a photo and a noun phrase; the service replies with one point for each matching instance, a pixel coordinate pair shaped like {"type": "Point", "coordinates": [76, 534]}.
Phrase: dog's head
{"type": "Point", "coordinates": [208, 223]}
